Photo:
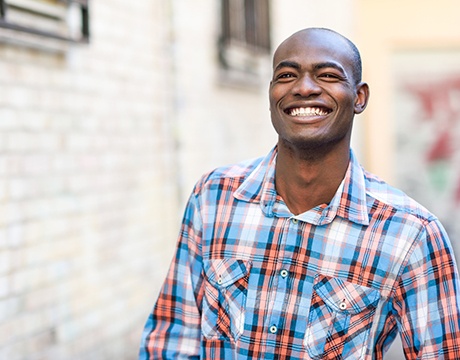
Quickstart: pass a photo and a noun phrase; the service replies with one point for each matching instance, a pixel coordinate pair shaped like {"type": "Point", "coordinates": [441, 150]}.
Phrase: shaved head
{"type": "Point", "coordinates": [335, 36]}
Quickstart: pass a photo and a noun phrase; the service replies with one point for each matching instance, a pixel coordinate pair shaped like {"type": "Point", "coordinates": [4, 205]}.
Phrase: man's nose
{"type": "Point", "coordinates": [306, 86]}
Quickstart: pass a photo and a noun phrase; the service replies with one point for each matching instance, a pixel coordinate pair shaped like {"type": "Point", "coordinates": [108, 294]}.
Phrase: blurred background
{"type": "Point", "coordinates": [110, 110]}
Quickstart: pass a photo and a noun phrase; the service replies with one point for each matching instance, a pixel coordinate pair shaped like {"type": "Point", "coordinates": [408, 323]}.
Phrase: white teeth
{"type": "Point", "coordinates": [308, 111]}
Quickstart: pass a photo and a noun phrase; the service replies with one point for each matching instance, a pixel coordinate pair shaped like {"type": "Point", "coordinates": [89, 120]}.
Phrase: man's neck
{"type": "Point", "coordinates": [306, 180]}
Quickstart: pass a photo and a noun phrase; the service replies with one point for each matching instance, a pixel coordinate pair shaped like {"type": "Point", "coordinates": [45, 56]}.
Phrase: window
{"type": "Point", "coordinates": [63, 20]}
{"type": "Point", "coordinates": [244, 45]}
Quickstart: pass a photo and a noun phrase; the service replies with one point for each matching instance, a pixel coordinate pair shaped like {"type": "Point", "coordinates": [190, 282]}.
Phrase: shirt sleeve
{"type": "Point", "coordinates": [173, 330]}
{"type": "Point", "coordinates": [427, 298]}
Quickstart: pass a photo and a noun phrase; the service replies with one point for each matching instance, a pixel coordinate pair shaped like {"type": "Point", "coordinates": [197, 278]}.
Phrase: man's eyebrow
{"type": "Point", "coordinates": [289, 64]}
{"type": "Point", "coordinates": [329, 64]}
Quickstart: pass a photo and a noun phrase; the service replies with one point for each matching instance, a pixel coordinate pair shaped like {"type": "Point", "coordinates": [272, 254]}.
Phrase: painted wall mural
{"type": "Point", "coordinates": [427, 122]}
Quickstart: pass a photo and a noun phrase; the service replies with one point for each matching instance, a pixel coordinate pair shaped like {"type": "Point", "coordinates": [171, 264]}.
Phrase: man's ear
{"type": "Point", "coordinates": [362, 97]}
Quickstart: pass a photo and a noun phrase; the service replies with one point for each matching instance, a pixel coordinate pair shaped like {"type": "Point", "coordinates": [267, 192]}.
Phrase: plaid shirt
{"type": "Point", "coordinates": [252, 281]}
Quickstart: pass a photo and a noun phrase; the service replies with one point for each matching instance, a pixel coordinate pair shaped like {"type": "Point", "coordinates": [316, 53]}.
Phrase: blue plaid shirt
{"type": "Point", "coordinates": [250, 280]}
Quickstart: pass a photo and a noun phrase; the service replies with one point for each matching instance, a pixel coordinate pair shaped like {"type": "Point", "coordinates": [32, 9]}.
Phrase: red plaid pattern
{"type": "Point", "coordinates": [252, 281]}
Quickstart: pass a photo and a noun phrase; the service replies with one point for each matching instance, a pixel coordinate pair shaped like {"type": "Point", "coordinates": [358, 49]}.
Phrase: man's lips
{"type": "Point", "coordinates": [308, 111]}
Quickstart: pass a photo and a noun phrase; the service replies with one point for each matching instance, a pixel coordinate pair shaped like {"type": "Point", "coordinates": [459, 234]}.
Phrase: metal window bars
{"type": "Point", "coordinates": [244, 44]}
{"type": "Point", "coordinates": [247, 24]}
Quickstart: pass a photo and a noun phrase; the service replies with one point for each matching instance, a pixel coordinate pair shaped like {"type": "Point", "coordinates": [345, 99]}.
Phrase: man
{"type": "Point", "coordinates": [303, 254]}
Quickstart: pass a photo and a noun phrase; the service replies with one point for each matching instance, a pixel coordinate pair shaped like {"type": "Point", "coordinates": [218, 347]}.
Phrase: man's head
{"type": "Point", "coordinates": [316, 89]}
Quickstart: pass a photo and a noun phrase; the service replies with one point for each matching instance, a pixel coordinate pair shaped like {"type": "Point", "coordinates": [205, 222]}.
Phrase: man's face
{"type": "Point", "coordinates": [313, 95]}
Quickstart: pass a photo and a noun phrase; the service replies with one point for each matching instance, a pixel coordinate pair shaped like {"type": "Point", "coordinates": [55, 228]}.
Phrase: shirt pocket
{"type": "Point", "coordinates": [340, 319]}
{"type": "Point", "coordinates": [225, 292]}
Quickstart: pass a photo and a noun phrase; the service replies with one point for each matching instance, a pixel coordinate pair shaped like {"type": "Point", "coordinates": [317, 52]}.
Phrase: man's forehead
{"type": "Point", "coordinates": [313, 42]}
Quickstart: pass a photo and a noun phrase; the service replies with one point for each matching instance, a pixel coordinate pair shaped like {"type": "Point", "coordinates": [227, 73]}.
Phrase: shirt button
{"type": "Point", "coordinates": [342, 305]}
{"type": "Point", "coordinates": [294, 221]}
{"type": "Point", "coordinates": [219, 280]}
{"type": "Point", "coordinates": [284, 273]}
{"type": "Point", "coordinates": [273, 329]}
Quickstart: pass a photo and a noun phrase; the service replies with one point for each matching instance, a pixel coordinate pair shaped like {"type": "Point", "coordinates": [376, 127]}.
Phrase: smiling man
{"type": "Point", "coordinates": [315, 92]}
{"type": "Point", "coordinates": [302, 254]}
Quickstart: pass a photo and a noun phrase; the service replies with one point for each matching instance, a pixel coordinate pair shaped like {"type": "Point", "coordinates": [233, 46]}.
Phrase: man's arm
{"type": "Point", "coordinates": [427, 299]}
{"type": "Point", "coordinates": [173, 330]}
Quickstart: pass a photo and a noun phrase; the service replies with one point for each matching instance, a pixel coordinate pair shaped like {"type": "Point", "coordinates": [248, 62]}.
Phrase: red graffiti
{"type": "Point", "coordinates": [441, 148]}
{"type": "Point", "coordinates": [439, 102]}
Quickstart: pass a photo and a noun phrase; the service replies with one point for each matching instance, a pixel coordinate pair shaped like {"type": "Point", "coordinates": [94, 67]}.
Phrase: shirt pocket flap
{"type": "Point", "coordinates": [343, 296]}
{"type": "Point", "coordinates": [224, 272]}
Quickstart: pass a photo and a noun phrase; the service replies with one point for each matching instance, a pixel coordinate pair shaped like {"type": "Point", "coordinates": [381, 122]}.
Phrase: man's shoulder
{"type": "Point", "coordinates": [394, 197]}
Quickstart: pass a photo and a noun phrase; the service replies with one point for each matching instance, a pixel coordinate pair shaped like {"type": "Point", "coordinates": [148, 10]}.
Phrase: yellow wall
{"type": "Point", "coordinates": [381, 29]}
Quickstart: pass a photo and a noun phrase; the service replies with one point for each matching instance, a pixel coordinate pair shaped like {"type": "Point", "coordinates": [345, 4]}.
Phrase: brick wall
{"type": "Point", "coordinates": [87, 197]}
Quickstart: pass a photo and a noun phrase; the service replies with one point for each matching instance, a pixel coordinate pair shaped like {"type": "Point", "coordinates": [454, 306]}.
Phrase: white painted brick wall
{"type": "Point", "coordinates": [88, 204]}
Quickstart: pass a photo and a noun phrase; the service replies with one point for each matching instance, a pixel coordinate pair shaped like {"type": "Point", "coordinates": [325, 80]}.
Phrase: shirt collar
{"type": "Point", "coordinates": [349, 202]}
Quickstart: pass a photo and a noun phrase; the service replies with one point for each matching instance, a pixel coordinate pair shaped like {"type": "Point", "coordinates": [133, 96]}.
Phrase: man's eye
{"type": "Point", "coordinates": [285, 76]}
{"type": "Point", "coordinates": [329, 76]}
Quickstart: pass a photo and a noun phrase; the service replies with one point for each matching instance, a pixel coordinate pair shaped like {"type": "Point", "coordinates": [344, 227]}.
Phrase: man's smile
{"type": "Point", "coordinates": [308, 111]}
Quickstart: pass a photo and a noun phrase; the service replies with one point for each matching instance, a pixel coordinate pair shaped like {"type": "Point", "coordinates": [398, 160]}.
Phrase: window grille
{"type": "Point", "coordinates": [245, 38]}
{"type": "Point", "coordinates": [64, 20]}
{"type": "Point", "coordinates": [246, 22]}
